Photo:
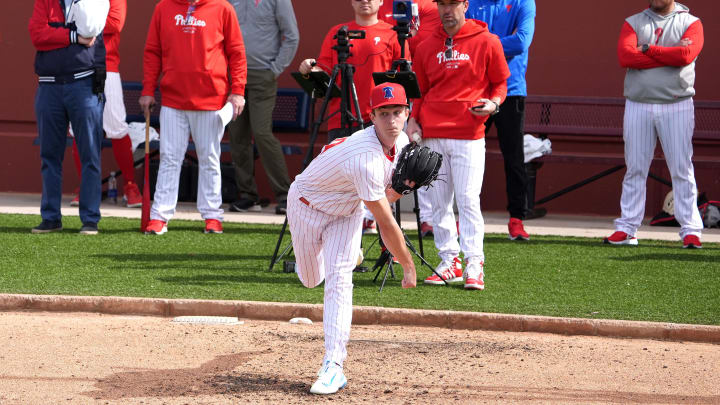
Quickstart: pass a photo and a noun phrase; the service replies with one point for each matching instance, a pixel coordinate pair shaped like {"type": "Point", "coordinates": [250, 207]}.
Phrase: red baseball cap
{"type": "Point", "coordinates": [387, 94]}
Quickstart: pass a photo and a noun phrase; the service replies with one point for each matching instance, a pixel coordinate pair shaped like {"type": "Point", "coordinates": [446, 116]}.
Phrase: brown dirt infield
{"type": "Point", "coordinates": [72, 358]}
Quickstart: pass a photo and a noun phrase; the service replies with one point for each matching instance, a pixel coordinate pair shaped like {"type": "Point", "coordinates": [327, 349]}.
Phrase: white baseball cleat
{"type": "Point", "coordinates": [331, 380]}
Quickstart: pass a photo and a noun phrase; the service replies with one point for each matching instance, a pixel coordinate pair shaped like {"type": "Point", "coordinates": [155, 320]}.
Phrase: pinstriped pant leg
{"type": "Point", "coordinates": [468, 169]}
{"type": "Point", "coordinates": [207, 132]}
{"type": "Point", "coordinates": [341, 247]}
{"type": "Point", "coordinates": [676, 123]}
{"type": "Point", "coordinates": [441, 198]}
{"type": "Point", "coordinates": [306, 229]}
{"type": "Point", "coordinates": [173, 144]}
{"type": "Point", "coordinates": [639, 136]}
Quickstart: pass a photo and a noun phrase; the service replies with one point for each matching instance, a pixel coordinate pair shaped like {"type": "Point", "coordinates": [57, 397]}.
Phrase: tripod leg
{"type": "Point", "coordinates": [277, 246]}
{"type": "Point", "coordinates": [389, 269]}
{"type": "Point", "coordinates": [422, 259]}
{"type": "Point", "coordinates": [379, 263]}
{"type": "Point", "coordinates": [419, 226]}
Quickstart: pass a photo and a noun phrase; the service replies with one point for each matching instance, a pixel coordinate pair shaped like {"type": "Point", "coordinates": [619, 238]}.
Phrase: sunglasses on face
{"type": "Point", "coordinates": [449, 46]}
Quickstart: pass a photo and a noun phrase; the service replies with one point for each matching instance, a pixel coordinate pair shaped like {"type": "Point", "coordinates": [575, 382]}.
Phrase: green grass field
{"type": "Point", "coordinates": [556, 276]}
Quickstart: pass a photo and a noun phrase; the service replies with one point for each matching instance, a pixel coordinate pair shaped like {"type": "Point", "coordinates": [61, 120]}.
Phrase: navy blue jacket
{"type": "Point", "coordinates": [58, 52]}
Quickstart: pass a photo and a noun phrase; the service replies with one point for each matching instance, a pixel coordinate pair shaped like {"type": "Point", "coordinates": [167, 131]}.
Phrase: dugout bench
{"type": "Point", "coordinates": [599, 118]}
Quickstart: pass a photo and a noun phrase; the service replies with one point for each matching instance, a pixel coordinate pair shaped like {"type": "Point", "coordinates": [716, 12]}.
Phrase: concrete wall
{"type": "Point", "coordinates": [574, 53]}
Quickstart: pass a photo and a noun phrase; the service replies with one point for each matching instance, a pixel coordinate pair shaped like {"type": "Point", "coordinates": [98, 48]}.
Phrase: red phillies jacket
{"type": "Point", "coordinates": [193, 47]}
{"type": "Point", "coordinates": [111, 33]}
{"type": "Point", "coordinates": [450, 86]}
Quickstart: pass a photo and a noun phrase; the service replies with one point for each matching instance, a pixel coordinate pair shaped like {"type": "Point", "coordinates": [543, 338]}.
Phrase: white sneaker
{"type": "Point", "coordinates": [330, 381]}
{"type": "Point", "coordinates": [475, 275]}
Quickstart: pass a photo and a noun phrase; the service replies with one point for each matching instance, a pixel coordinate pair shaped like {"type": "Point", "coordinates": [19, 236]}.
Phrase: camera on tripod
{"type": "Point", "coordinates": [404, 11]}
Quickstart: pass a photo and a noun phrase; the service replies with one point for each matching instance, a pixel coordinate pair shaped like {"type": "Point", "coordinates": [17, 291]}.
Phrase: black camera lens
{"type": "Point", "coordinates": [400, 7]}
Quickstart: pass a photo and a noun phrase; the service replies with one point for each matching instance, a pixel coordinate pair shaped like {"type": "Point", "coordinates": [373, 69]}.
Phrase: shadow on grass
{"type": "Point", "coordinates": [211, 279]}
{"type": "Point", "coordinates": [679, 257]}
{"type": "Point", "coordinates": [164, 257]}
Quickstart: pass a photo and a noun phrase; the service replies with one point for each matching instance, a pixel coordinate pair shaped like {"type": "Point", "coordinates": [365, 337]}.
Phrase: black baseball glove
{"type": "Point", "coordinates": [418, 164]}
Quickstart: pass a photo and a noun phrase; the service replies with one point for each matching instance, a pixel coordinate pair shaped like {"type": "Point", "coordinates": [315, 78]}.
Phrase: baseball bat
{"type": "Point", "coordinates": [145, 218]}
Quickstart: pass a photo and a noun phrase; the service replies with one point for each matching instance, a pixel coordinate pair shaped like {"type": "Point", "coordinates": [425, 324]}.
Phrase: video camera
{"type": "Point", "coordinates": [343, 36]}
{"type": "Point", "coordinates": [404, 11]}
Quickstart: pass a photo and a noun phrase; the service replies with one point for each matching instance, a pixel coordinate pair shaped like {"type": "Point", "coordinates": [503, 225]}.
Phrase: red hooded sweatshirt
{"type": "Point", "coordinates": [450, 86]}
{"type": "Point", "coordinates": [111, 33]}
{"type": "Point", "coordinates": [193, 47]}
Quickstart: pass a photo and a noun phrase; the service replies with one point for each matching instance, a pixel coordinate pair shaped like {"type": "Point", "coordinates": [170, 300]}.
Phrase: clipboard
{"type": "Point", "coordinates": [406, 79]}
{"type": "Point", "coordinates": [316, 84]}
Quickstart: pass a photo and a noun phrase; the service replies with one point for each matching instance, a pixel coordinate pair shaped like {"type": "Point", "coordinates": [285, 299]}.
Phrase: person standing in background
{"type": "Point", "coordinates": [462, 75]}
{"type": "Point", "coordinates": [114, 116]}
{"type": "Point", "coordinates": [195, 48]}
{"type": "Point", "coordinates": [659, 46]}
{"type": "Point", "coordinates": [271, 38]}
{"type": "Point", "coordinates": [374, 53]}
{"type": "Point", "coordinates": [513, 21]}
{"type": "Point", "coordinates": [71, 73]}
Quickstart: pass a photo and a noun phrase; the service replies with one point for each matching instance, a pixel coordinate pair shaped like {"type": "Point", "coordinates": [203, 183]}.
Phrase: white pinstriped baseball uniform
{"type": "Point", "coordinates": [462, 174]}
{"type": "Point", "coordinates": [659, 105]}
{"type": "Point", "coordinates": [207, 130]}
{"type": "Point", "coordinates": [114, 114]}
{"type": "Point", "coordinates": [325, 218]}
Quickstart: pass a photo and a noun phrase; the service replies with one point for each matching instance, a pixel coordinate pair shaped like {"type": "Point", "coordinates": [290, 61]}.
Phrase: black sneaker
{"type": "Point", "coordinates": [47, 227]}
{"type": "Point", "coordinates": [281, 208]}
{"type": "Point", "coordinates": [244, 205]}
{"type": "Point", "coordinates": [89, 228]}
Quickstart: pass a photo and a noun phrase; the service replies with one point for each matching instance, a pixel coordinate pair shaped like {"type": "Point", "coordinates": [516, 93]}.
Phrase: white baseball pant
{"type": "Point", "coordinates": [207, 130]}
{"type": "Point", "coordinates": [673, 124]}
{"type": "Point", "coordinates": [326, 248]}
{"type": "Point", "coordinates": [114, 113]}
{"type": "Point", "coordinates": [460, 176]}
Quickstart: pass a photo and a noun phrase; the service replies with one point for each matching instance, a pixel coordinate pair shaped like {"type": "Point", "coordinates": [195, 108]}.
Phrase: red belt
{"type": "Point", "coordinates": [304, 201]}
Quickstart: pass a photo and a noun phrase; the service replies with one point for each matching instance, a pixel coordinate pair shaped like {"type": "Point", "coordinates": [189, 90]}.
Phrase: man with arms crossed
{"type": "Point", "coordinates": [324, 214]}
{"type": "Point", "coordinates": [658, 47]}
{"type": "Point", "coordinates": [462, 75]}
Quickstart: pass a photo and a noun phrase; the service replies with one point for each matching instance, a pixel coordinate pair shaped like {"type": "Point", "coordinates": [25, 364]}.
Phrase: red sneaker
{"type": "Point", "coordinates": [133, 198]}
{"type": "Point", "coordinates": [369, 227]}
{"type": "Point", "coordinates": [213, 226]}
{"type": "Point", "coordinates": [475, 276]}
{"type": "Point", "coordinates": [76, 200]}
{"type": "Point", "coordinates": [692, 242]}
{"type": "Point", "coordinates": [450, 271]}
{"type": "Point", "coordinates": [426, 229]}
{"type": "Point", "coordinates": [155, 227]}
{"type": "Point", "coordinates": [516, 230]}
{"type": "Point", "coordinates": [621, 238]}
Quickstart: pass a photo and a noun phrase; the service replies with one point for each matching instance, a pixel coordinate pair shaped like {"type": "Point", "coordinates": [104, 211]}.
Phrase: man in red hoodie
{"type": "Point", "coordinates": [196, 45]}
{"type": "Point", "coordinates": [114, 124]}
{"type": "Point", "coordinates": [462, 74]}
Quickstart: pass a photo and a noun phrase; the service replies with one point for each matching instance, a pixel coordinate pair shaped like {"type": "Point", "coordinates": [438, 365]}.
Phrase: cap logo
{"type": "Point", "coordinates": [388, 92]}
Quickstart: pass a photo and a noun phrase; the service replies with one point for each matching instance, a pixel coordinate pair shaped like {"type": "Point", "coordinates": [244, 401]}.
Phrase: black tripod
{"type": "Point", "coordinates": [319, 84]}
{"type": "Point", "coordinates": [402, 74]}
